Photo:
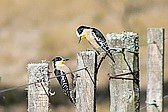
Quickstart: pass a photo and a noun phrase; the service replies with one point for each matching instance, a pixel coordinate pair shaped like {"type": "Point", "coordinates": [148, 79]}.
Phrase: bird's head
{"type": "Point", "coordinates": [82, 32]}
{"type": "Point", "coordinates": [59, 61]}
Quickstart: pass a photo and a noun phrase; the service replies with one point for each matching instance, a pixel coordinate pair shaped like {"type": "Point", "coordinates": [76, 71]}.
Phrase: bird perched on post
{"type": "Point", "coordinates": [95, 38]}
{"type": "Point", "coordinates": [60, 70]}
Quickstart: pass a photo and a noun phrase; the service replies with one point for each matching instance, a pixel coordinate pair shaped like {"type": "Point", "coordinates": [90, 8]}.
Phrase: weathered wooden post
{"type": "Point", "coordinates": [124, 76]}
{"type": "Point", "coordinates": [38, 100]}
{"type": "Point", "coordinates": [155, 70]}
{"type": "Point", "coordinates": [86, 82]}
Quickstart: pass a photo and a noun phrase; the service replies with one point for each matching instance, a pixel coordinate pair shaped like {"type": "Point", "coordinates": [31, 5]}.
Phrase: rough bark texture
{"type": "Point", "coordinates": [124, 89]}
{"type": "Point", "coordinates": [38, 100]}
{"type": "Point", "coordinates": [86, 82]}
{"type": "Point", "coordinates": [155, 70]}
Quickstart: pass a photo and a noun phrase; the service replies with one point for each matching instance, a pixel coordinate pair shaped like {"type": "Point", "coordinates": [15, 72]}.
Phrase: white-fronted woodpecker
{"type": "Point", "coordinates": [60, 70]}
{"type": "Point", "coordinates": [96, 39]}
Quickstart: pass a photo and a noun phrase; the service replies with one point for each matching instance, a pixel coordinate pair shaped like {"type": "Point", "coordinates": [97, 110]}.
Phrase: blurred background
{"type": "Point", "coordinates": [35, 30]}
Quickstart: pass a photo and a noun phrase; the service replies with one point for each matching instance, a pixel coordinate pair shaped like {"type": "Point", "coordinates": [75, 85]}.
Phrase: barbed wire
{"type": "Point", "coordinates": [85, 68]}
{"type": "Point", "coordinates": [166, 96]}
{"type": "Point", "coordinates": [16, 87]}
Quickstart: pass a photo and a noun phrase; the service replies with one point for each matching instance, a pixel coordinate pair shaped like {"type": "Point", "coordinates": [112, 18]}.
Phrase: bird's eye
{"type": "Point", "coordinates": [58, 58]}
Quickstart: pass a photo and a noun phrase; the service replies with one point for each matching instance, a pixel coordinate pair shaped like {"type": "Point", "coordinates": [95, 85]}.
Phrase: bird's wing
{"type": "Point", "coordinates": [63, 81]}
{"type": "Point", "coordinates": [98, 34]}
{"type": "Point", "coordinates": [101, 41]}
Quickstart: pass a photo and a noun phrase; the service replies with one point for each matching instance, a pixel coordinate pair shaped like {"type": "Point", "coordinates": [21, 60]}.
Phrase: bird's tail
{"type": "Point", "coordinates": [72, 97]}
{"type": "Point", "coordinates": [72, 100]}
{"type": "Point", "coordinates": [108, 51]}
{"type": "Point", "coordinates": [110, 55]}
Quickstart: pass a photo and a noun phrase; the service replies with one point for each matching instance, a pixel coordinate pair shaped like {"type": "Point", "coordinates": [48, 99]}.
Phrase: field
{"type": "Point", "coordinates": [35, 30]}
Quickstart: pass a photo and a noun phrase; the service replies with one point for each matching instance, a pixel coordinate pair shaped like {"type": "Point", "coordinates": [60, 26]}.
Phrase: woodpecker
{"type": "Point", "coordinates": [95, 38]}
{"type": "Point", "coordinates": [60, 70]}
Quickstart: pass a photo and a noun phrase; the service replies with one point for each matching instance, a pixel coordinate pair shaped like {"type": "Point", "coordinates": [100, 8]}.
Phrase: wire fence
{"type": "Point", "coordinates": [85, 68]}
{"type": "Point", "coordinates": [16, 87]}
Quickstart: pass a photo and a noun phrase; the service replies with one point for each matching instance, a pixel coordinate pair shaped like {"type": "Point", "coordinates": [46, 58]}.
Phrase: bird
{"type": "Point", "coordinates": [60, 70]}
{"type": "Point", "coordinates": [95, 38]}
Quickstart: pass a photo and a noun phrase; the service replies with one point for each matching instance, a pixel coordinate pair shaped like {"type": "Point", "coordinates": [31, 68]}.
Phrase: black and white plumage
{"type": "Point", "coordinates": [60, 70]}
{"type": "Point", "coordinates": [95, 38]}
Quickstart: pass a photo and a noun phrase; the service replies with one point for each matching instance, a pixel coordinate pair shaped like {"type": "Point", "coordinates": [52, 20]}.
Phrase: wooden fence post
{"type": "Point", "coordinates": [38, 100]}
{"type": "Point", "coordinates": [155, 70]}
{"type": "Point", "coordinates": [124, 85]}
{"type": "Point", "coordinates": [86, 82]}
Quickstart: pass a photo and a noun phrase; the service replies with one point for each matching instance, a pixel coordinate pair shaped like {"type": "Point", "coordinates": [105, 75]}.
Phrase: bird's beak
{"type": "Point", "coordinates": [82, 37]}
{"type": "Point", "coordinates": [66, 59]}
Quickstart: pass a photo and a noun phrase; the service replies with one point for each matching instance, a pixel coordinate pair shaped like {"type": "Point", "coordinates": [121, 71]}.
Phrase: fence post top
{"type": "Point", "coordinates": [86, 52]}
{"type": "Point", "coordinates": [37, 64]}
{"type": "Point", "coordinates": [122, 35]}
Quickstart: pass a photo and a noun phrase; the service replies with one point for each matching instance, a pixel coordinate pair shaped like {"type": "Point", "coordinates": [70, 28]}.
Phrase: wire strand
{"type": "Point", "coordinates": [13, 88]}
{"type": "Point", "coordinates": [166, 96]}
{"type": "Point", "coordinates": [16, 87]}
